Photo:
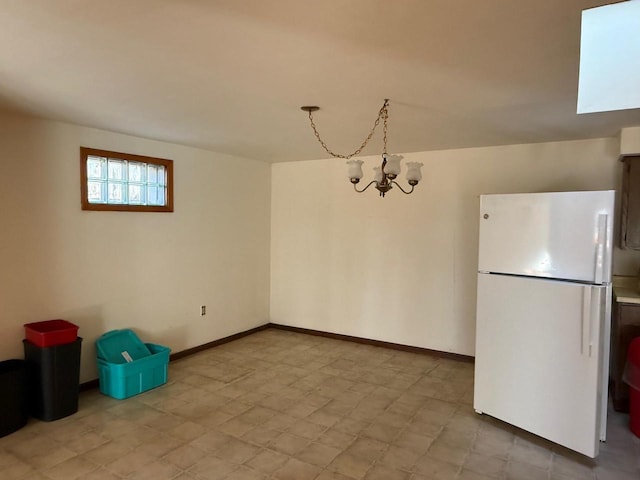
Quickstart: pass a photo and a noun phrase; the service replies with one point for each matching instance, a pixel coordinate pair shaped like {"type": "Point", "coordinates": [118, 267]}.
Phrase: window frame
{"type": "Point", "coordinates": [85, 152]}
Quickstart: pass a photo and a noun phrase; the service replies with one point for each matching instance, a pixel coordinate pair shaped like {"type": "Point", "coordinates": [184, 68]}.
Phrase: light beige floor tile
{"type": "Point", "coordinates": [456, 438]}
{"type": "Point", "coordinates": [257, 415]}
{"type": "Point", "coordinates": [448, 453]}
{"type": "Point", "coordinates": [26, 447]}
{"type": "Point", "coordinates": [351, 425]}
{"type": "Point", "coordinates": [486, 465]}
{"type": "Point", "coordinates": [367, 448]}
{"type": "Point", "coordinates": [244, 473]}
{"type": "Point", "coordinates": [158, 470]}
{"type": "Point", "coordinates": [329, 475]}
{"type": "Point", "coordinates": [211, 468]}
{"type": "Point", "coordinates": [305, 429]}
{"type": "Point", "coordinates": [7, 458]}
{"type": "Point", "coordinates": [237, 451]}
{"type": "Point", "coordinates": [381, 432]}
{"type": "Point", "coordinates": [436, 469]}
{"type": "Point", "coordinates": [351, 466]}
{"type": "Point", "coordinates": [85, 442]}
{"type": "Point", "coordinates": [381, 472]}
{"type": "Point", "coordinates": [280, 422]}
{"type": "Point", "coordinates": [213, 419]}
{"type": "Point", "coordinates": [261, 435]}
{"type": "Point", "coordinates": [187, 430]}
{"type": "Point", "coordinates": [17, 470]}
{"type": "Point", "coordinates": [288, 444]}
{"type": "Point", "coordinates": [400, 458]}
{"type": "Point", "coordinates": [530, 453]}
{"type": "Point", "coordinates": [625, 460]}
{"type": "Point", "coordinates": [235, 427]}
{"type": "Point", "coordinates": [613, 474]}
{"type": "Point", "coordinates": [160, 445]}
{"type": "Point", "coordinates": [323, 418]}
{"type": "Point", "coordinates": [524, 471]}
{"type": "Point", "coordinates": [471, 475]}
{"type": "Point", "coordinates": [492, 446]}
{"type": "Point", "coordinates": [184, 456]}
{"type": "Point", "coordinates": [267, 461]}
{"type": "Point", "coordinates": [101, 473]}
{"type": "Point", "coordinates": [49, 458]}
{"type": "Point", "coordinates": [294, 469]}
{"type": "Point", "coordinates": [414, 442]}
{"type": "Point", "coordinates": [106, 453]}
{"type": "Point", "coordinates": [426, 428]}
{"type": "Point", "coordinates": [318, 454]}
{"type": "Point", "coordinates": [70, 469]}
{"type": "Point", "coordinates": [130, 462]}
{"type": "Point", "coordinates": [283, 403]}
{"type": "Point", "coordinates": [336, 438]}
{"type": "Point", "coordinates": [211, 441]}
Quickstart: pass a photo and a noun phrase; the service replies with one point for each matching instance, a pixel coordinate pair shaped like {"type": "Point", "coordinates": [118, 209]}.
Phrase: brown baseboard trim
{"type": "Point", "coordinates": [91, 384]}
{"type": "Point", "coordinates": [377, 343]}
{"type": "Point", "coordinates": [215, 343]}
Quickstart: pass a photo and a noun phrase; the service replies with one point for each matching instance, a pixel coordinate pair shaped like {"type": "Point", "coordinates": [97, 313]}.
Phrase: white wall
{"type": "Point", "coordinates": [402, 269]}
{"type": "Point", "coordinates": [146, 271]}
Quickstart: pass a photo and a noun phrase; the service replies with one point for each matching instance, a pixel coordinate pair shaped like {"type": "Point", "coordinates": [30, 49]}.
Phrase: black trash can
{"type": "Point", "coordinates": [13, 396]}
{"type": "Point", "coordinates": [54, 379]}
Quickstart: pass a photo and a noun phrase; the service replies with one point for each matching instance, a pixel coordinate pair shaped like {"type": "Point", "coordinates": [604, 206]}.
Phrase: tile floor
{"type": "Point", "coordinates": [279, 405]}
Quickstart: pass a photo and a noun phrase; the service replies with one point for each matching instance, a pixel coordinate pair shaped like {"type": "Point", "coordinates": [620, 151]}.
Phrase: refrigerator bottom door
{"type": "Point", "coordinates": [538, 357]}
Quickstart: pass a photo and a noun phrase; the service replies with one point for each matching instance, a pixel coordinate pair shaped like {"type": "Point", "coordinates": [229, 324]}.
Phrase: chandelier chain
{"type": "Point", "coordinates": [383, 114]}
{"type": "Point", "coordinates": [384, 127]}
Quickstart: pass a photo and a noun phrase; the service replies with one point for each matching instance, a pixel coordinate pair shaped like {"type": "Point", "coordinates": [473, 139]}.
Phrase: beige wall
{"type": "Point", "coordinates": [630, 141]}
{"type": "Point", "coordinates": [402, 269]}
{"type": "Point", "coordinates": [146, 271]}
{"type": "Point", "coordinates": [399, 269]}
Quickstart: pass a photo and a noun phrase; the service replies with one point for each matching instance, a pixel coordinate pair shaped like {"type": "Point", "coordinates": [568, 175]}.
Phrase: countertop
{"type": "Point", "coordinates": [625, 290]}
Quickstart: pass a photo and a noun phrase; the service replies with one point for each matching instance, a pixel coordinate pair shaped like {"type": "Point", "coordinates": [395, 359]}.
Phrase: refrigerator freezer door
{"type": "Point", "coordinates": [538, 357]}
{"type": "Point", "coordinates": [562, 235]}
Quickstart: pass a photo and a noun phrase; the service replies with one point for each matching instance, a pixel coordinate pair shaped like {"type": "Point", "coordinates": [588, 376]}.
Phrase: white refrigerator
{"type": "Point", "coordinates": [543, 314]}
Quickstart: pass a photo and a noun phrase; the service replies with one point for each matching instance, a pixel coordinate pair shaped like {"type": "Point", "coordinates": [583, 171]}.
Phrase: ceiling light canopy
{"type": "Point", "coordinates": [385, 175]}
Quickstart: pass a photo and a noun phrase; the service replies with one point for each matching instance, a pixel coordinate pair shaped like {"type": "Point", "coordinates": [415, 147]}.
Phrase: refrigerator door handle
{"type": "Point", "coordinates": [586, 327]}
{"type": "Point", "coordinates": [601, 240]}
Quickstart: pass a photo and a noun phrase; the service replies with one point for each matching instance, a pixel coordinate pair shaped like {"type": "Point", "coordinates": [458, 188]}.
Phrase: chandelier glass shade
{"type": "Point", "coordinates": [385, 175]}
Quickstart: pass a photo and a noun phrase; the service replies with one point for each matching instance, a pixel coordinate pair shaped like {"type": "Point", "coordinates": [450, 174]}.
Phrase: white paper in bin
{"type": "Point", "coordinates": [631, 375]}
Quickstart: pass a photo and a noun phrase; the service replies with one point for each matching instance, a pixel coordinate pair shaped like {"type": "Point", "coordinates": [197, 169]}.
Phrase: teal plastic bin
{"type": "Point", "coordinates": [120, 346]}
{"type": "Point", "coordinates": [121, 378]}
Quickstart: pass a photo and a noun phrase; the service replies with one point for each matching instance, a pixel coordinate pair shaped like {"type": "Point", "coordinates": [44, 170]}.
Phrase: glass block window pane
{"type": "Point", "coordinates": [161, 176]}
{"type": "Point", "coordinates": [96, 192]}
{"type": "Point", "coordinates": [95, 167]}
{"type": "Point", "coordinates": [116, 193]}
{"type": "Point", "coordinates": [116, 169]}
{"type": "Point", "coordinates": [152, 195]}
{"type": "Point", "coordinates": [120, 181]}
{"type": "Point", "coordinates": [136, 172]}
{"type": "Point", "coordinates": [136, 195]}
{"type": "Point", "coordinates": [152, 174]}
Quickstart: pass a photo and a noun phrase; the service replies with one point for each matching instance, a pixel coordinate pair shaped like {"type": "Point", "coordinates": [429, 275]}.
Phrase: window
{"type": "Point", "coordinates": [124, 182]}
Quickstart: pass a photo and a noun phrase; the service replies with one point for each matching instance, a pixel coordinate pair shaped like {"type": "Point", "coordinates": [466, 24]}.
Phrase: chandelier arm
{"type": "Point", "coordinates": [383, 114]}
{"type": "Point", "coordinates": [402, 189]}
{"type": "Point", "coordinates": [368, 185]}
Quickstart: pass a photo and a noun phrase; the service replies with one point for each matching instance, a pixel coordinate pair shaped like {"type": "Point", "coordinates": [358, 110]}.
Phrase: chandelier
{"type": "Point", "coordinates": [385, 175]}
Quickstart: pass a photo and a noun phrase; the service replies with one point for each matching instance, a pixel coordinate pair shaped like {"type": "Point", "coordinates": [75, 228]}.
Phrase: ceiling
{"type": "Point", "coordinates": [231, 75]}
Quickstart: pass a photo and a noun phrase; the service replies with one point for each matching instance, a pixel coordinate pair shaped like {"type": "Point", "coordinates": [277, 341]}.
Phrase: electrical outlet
{"type": "Point", "coordinates": [203, 310]}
